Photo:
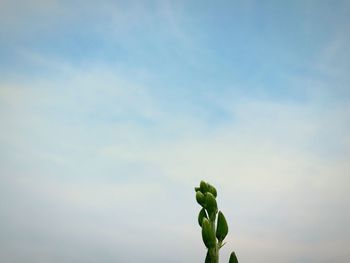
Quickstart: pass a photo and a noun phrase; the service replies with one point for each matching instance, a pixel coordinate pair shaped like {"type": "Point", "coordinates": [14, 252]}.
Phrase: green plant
{"type": "Point", "coordinates": [213, 223]}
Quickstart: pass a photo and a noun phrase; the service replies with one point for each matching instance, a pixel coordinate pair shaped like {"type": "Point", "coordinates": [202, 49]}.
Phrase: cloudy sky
{"type": "Point", "coordinates": [112, 111]}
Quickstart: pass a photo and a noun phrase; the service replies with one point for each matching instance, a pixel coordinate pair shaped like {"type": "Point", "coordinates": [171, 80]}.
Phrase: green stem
{"type": "Point", "coordinates": [218, 246]}
{"type": "Point", "coordinates": [215, 250]}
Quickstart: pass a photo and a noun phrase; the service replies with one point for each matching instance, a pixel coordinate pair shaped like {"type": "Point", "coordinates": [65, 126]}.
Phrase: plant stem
{"type": "Point", "coordinates": [215, 250]}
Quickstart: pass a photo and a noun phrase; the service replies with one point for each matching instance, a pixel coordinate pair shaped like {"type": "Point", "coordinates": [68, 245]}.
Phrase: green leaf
{"type": "Point", "coordinates": [233, 258]}
{"type": "Point", "coordinates": [222, 227]}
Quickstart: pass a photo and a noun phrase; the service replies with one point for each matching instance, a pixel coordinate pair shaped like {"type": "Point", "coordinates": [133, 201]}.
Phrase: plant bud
{"type": "Point", "coordinates": [212, 190]}
{"type": "Point", "coordinates": [200, 198]}
{"type": "Point", "coordinates": [233, 258]}
{"type": "Point", "coordinates": [208, 234]}
{"type": "Point", "coordinates": [204, 187]}
{"type": "Point", "coordinates": [197, 189]}
{"type": "Point", "coordinates": [202, 214]}
{"type": "Point", "coordinates": [222, 228]}
{"type": "Point", "coordinates": [211, 204]}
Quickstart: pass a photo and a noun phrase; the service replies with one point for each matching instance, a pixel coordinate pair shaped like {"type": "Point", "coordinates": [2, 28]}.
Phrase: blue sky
{"type": "Point", "coordinates": [112, 112]}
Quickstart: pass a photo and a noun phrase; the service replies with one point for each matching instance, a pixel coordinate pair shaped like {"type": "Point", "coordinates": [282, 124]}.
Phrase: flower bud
{"type": "Point", "coordinates": [202, 214]}
{"type": "Point", "coordinates": [209, 257]}
{"type": "Point", "coordinates": [204, 187]}
{"type": "Point", "coordinates": [211, 204]}
{"type": "Point", "coordinates": [212, 190]}
{"type": "Point", "coordinates": [208, 234]}
{"type": "Point", "coordinates": [200, 198]}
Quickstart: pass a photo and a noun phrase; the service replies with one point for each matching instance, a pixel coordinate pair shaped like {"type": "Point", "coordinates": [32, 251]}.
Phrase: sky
{"type": "Point", "coordinates": [113, 111]}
